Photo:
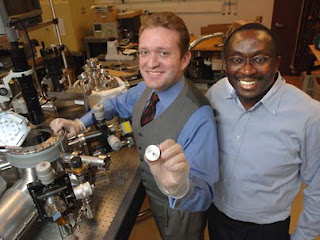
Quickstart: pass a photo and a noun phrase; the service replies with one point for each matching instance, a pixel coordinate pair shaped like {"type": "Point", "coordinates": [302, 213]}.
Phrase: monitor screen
{"type": "Point", "coordinates": [15, 7]}
{"type": "Point", "coordinates": [97, 27]}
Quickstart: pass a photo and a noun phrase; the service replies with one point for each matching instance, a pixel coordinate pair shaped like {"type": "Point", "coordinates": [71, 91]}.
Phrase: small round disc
{"type": "Point", "coordinates": [152, 153]}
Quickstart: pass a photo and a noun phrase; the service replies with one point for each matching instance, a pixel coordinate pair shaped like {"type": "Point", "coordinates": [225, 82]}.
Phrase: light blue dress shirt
{"type": "Point", "coordinates": [265, 154]}
{"type": "Point", "coordinates": [198, 139]}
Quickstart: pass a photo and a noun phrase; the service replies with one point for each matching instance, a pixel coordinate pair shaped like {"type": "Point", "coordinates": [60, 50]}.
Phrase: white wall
{"type": "Point", "coordinates": [201, 13]}
{"type": "Point", "coordinates": [247, 10]}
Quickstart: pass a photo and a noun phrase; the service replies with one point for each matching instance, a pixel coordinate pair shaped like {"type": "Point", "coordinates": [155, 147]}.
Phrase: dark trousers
{"type": "Point", "coordinates": [178, 225]}
{"type": "Point", "coordinates": [221, 227]}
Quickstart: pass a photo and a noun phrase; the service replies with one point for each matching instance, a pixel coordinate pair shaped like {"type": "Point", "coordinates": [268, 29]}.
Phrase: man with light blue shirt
{"type": "Point", "coordinates": [269, 142]}
{"type": "Point", "coordinates": [183, 127]}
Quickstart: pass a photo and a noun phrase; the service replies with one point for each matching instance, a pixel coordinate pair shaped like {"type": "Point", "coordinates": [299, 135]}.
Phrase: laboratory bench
{"type": "Point", "coordinates": [116, 201]}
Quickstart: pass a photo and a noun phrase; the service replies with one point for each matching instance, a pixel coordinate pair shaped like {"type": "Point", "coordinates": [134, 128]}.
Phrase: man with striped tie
{"type": "Point", "coordinates": [168, 111]}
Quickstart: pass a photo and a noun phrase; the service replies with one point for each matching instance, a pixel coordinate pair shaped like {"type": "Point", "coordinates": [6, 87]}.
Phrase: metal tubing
{"type": "Point", "coordinates": [82, 138]}
{"type": "Point", "coordinates": [204, 37]}
{"type": "Point", "coordinates": [88, 213]}
{"type": "Point", "coordinates": [17, 210]}
{"type": "Point", "coordinates": [27, 175]}
{"type": "Point", "coordinates": [17, 213]}
{"type": "Point", "coordinates": [66, 231]}
{"type": "Point", "coordinates": [101, 162]}
{"type": "Point", "coordinates": [4, 166]}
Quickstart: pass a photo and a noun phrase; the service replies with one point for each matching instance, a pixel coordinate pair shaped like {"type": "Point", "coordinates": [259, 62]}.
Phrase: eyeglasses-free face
{"type": "Point", "coordinates": [160, 60]}
{"type": "Point", "coordinates": [259, 61]}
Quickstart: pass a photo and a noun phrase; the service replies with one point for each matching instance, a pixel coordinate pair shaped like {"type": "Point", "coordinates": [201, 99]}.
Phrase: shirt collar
{"type": "Point", "coordinates": [231, 92]}
{"type": "Point", "coordinates": [167, 96]}
{"type": "Point", "coordinates": [271, 100]}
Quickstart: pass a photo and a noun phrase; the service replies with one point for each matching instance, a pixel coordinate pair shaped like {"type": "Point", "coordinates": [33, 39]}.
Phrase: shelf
{"type": "Point", "coordinates": [3, 38]}
{"type": "Point", "coordinates": [38, 26]}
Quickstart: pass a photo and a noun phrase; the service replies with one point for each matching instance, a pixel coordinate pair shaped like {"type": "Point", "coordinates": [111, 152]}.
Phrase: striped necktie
{"type": "Point", "coordinates": [150, 111]}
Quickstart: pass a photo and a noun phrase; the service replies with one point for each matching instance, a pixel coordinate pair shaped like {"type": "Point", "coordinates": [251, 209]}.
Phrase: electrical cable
{"type": "Point", "coordinates": [143, 213]}
{"type": "Point", "coordinates": [48, 100]}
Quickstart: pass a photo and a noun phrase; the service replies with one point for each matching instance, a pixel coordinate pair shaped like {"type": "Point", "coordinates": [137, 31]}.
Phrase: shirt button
{"type": "Point", "coordinates": [140, 148]}
{"type": "Point", "coordinates": [140, 134]}
{"type": "Point", "coordinates": [238, 137]}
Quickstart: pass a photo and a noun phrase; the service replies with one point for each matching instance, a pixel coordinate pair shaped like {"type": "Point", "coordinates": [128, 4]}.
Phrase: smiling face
{"type": "Point", "coordinates": [251, 83]}
{"type": "Point", "coordinates": [160, 61]}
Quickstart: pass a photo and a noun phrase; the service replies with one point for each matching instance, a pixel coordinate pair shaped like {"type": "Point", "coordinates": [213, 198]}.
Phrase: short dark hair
{"type": "Point", "coordinates": [253, 26]}
{"type": "Point", "coordinates": [169, 21]}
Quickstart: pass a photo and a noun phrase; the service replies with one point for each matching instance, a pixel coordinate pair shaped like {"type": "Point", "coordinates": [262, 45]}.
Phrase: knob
{"type": "Point", "coordinates": [3, 91]}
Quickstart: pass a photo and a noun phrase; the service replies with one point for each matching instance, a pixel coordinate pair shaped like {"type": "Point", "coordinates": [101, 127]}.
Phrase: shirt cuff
{"type": "Point", "coordinates": [175, 202]}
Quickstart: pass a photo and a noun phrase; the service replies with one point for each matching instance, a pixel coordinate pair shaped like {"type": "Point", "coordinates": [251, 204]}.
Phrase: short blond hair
{"type": "Point", "coordinates": [169, 21]}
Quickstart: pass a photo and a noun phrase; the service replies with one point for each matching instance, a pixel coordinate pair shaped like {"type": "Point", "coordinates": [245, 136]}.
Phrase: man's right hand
{"type": "Point", "coordinates": [72, 127]}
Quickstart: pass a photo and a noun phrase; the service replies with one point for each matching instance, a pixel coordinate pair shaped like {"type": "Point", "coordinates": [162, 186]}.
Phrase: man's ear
{"type": "Point", "coordinates": [278, 61]}
{"type": "Point", "coordinates": [185, 60]}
